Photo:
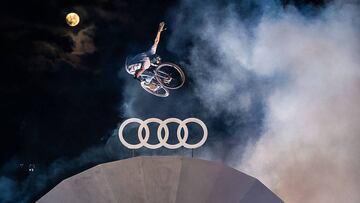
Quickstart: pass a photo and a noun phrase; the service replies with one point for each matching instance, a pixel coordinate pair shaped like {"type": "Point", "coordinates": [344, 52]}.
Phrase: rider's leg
{"type": "Point", "coordinates": [146, 63]}
{"type": "Point", "coordinates": [144, 66]}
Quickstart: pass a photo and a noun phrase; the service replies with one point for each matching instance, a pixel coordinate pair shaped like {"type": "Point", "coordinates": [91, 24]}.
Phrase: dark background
{"type": "Point", "coordinates": [56, 104]}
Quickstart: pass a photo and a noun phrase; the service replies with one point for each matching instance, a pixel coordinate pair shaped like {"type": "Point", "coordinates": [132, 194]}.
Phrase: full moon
{"type": "Point", "coordinates": [72, 19]}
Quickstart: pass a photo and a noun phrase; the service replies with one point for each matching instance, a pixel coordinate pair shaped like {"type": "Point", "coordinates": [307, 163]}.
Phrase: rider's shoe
{"type": "Point", "coordinates": [153, 87]}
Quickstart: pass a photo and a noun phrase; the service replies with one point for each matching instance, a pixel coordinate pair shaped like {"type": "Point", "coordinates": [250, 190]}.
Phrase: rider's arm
{"type": "Point", "coordinates": [157, 38]}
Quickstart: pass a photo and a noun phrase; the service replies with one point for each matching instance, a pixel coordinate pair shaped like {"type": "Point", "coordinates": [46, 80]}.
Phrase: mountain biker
{"type": "Point", "coordinates": [139, 63]}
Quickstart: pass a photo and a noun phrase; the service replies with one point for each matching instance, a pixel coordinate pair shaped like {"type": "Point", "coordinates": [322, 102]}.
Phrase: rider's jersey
{"type": "Point", "coordinates": [143, 59]}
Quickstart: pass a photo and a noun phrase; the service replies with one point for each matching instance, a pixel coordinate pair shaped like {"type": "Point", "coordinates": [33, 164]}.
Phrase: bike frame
{"type": "Point", "coordinates": [155, 74]}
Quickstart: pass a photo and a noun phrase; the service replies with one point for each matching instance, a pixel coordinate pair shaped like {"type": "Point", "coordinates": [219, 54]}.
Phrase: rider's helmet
{"type": "Point", "coordinates": [156, 59]}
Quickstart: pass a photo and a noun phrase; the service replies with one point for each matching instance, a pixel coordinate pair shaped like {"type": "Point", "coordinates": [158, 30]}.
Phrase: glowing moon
{"type": "Point", "coordinates": [72, 19]}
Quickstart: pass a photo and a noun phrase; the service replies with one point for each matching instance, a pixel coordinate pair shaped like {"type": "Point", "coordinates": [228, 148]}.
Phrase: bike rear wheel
{"type": "Point", "coordinates": [170, 75]}
{"type": "Point", "coordinates": [155, 89]}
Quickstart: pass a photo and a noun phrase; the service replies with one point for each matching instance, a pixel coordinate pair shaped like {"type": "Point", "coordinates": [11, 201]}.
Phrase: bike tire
{"type": "Point", "coordinates": [164, 92]}
{"type": "Point", "coordinates": [176, 68]}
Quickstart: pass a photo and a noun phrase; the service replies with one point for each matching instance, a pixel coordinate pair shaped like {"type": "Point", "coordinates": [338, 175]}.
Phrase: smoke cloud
{"type": "Point", "coordinates": [301, 70]}
{"type": "Point", "coordinates": [277, 87]}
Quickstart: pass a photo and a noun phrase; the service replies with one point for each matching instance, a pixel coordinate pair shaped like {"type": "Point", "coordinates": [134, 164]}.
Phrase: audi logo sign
{"type": "Point", "coordinates": [143, 140]}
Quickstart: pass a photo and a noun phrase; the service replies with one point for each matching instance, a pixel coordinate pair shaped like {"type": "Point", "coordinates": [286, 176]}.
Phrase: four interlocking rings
{"type": "Point", "coordinates": [163, 138]}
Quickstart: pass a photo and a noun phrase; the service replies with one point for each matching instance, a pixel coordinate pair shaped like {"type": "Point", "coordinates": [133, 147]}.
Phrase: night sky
{"type": "Point", "coordinates": [64, 90]}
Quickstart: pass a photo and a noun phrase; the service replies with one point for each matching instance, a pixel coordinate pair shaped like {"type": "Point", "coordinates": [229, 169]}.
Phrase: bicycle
{"type": "Point", "coordinates": [161, 77]}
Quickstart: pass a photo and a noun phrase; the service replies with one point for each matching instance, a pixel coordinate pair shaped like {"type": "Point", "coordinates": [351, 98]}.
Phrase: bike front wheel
{"type": "Point", "coordinates": [170, 75]}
